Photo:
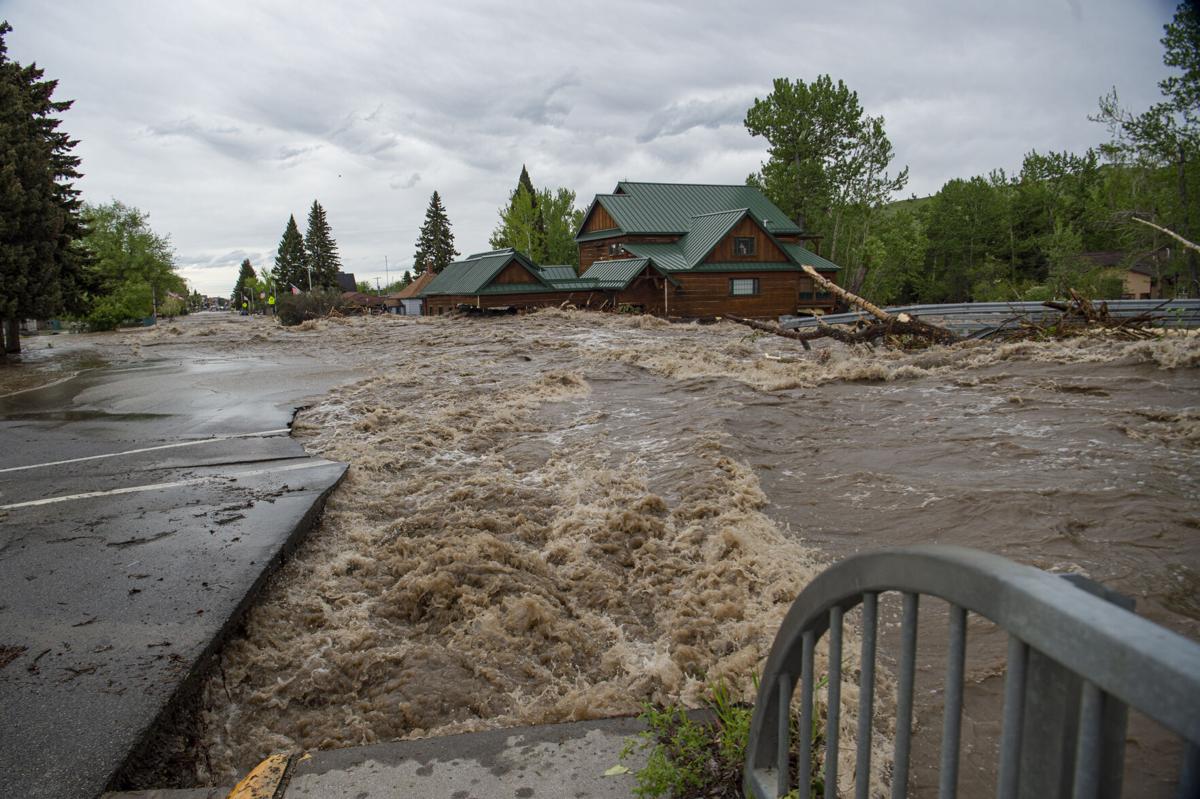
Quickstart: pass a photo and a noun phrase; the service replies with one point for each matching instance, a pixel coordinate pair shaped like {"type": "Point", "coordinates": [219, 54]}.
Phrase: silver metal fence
{"type": "Point", "coordinates": [973, 317]}
{"type": "Point", "coordinates": [1077, 659]}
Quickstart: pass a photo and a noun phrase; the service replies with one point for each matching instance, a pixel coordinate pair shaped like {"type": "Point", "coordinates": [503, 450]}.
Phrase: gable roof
{"type": "Point", "coordinates": [415, 288]}
{"type": "Point", "coordinates": [689, 252]}
{"type": "Point", "coordinates": [620, 273]}
{"type": "Point", "coordinates": [473, 274]}
{"type": "Point", "coordinates": [670, 207]}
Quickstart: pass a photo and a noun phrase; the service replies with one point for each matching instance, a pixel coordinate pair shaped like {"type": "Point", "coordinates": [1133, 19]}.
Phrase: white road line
{"type": "Point", "coordinates": [146, 449]}
{"type": "Point", "coordinates": [160, 486]}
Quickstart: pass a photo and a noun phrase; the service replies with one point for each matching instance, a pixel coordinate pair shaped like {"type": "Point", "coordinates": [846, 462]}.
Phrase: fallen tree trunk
{"type": "Point", "coordinates": [868, 334]}
{"type": "Point", "coordinates": [845, 296]}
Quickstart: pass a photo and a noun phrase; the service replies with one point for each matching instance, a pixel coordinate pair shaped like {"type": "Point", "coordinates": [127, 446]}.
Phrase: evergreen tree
{"type": "Point", "coordinates": [320, 250]}
{"type": "Point", "coordinates": [408, 278]}
{"type": "Point", "coordinates": [435, 245]}
{"type": "Point", "coordinates": [290, 266]}
{"type": "Point", "coordinates": [245, 279]}
{"type": "Point", "coordinates": [41, 266]}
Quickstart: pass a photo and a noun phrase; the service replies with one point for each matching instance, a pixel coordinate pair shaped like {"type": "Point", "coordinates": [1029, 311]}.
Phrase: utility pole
{"type": "Point", "coordinates": [377, 289]}
{"type": "Point", "coordinates": [386, 273]}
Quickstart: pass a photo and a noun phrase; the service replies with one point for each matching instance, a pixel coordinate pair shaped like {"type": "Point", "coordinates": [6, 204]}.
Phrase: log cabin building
{"type": "Point", "coordinates": [670, 249]}
{"type": "Point", "coordinates": [505, 279]}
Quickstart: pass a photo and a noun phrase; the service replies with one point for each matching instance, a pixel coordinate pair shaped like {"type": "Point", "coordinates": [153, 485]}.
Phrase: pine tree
{"type": "Point", "coordinates": [320, 250]}
{"type": "Point", "coordinates": [246, 277]}
{"type": "Point", "coordinates": [41, 265]}
{"type": "Point", "coordinates": [435, 246]}
{"type": "Point", "coordinates": [290, 267]}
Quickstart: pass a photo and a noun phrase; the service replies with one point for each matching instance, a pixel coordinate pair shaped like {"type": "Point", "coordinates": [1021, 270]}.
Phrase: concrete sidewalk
{"type": "Point", "coordinates": [546, 762]}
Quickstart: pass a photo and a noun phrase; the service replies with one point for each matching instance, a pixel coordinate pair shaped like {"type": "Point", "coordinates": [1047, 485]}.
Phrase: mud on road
{"type": "Point", "coordinates": [560, 516]}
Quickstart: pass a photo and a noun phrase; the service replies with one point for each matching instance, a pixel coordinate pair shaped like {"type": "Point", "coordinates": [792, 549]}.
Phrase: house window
{"type": "Point", "coordinates": [743, 287]}
{"type": "Point", "coordinates": [743, 245]}
{"type": "Point", "coordinates": [614, 248]}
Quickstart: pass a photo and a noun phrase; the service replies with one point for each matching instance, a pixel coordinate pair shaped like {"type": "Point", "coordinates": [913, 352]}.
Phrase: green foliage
{"type": "Point", "coordinates": [41, 265]}
{"type": "Point", "coordinates": [292, 309]}
{"type": "Point", "coordinates": [541, 223]}
{"type": "Point", "coordinates": [291, 266]}
{"type": "Point", "coordinates": [692, 758]}
{"type": "Point", "coordinates": [244, 287]}
{"type": "Point", "coordinates": [435, 245]}
{"type": "Point", "coordinates": [131, 269]}
{"type": "Point", "coordinates": [320, 250]}
{"type": "Point", "coordinates": [1160, 146]}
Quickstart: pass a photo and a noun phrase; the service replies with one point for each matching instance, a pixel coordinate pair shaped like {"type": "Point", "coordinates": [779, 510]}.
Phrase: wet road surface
{"type": "Point", "coordinates": [141, 507]}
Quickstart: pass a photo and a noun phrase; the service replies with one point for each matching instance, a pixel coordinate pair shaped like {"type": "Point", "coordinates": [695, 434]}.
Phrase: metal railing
{"type": "Point", "coordinates": [1076, 663]}
{"type": "Point", "coordinates": [971, 317]}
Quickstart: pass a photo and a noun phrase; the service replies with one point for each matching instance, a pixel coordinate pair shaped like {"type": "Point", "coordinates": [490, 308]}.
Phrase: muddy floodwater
{"type": "Point", "coordinates": [564, 515]}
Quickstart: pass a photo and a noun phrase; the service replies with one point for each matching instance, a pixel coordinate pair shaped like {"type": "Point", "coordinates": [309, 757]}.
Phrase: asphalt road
{"type": "Point", "coordinates": [141, 509]}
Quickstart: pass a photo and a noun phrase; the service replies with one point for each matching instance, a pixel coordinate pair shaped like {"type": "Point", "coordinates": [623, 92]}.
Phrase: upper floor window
{"type": "Point", "coordinates": [743, 245]}
{"type": "Point", "coordinates": [614, 248]}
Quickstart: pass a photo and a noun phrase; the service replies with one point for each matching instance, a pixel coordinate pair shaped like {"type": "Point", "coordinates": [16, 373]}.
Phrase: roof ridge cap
{"type": "Point", "coordinates": [716, 213]}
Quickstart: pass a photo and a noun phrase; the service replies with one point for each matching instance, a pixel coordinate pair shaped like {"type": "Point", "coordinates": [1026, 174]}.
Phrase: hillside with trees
{"type": "Point", "coordinates": [997, 236]}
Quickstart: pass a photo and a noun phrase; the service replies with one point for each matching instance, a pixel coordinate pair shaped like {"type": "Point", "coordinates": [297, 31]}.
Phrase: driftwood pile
{"type": "Point", "coordinates": [1078, 316]}
{"type": "Point", "coordinates": [905, 331]}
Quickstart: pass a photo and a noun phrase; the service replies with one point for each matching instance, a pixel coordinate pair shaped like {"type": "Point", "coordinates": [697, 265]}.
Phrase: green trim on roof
{"type": "Point", "coordinates": [806, 256]}
{"type": "Point", "coordinates": [748, 266]}
{"type": "Point", "coordinates": [595, 235]}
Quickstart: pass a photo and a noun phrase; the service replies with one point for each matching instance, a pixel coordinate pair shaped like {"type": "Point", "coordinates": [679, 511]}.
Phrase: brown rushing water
{"type": "Point", "coordinates": [559, 516]}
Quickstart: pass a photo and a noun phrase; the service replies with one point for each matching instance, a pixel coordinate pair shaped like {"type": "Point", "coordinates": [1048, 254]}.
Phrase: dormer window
{"type": "Point", "coordinates": [615, 249]}
{"type": "Point", "coordinates": [743, 246]}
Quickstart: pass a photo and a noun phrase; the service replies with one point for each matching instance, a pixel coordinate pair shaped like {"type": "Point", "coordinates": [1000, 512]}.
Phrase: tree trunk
{"type": "Point", "coordinates": [12, 336]}
{"type": "Point", "coordinates": [1193, 281]}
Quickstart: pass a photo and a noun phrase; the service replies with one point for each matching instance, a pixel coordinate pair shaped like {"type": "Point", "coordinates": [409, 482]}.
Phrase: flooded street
{"type": "Point", "coordinates": [564, 515]}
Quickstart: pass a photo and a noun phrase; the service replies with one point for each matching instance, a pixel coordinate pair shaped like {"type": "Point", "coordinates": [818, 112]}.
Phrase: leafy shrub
{"type": "Point", "coordinates": [292, 309]}
{"type": "Point", "coordinates": [129, 302]}
{"type": "Point", "coordinates": [692, 759]}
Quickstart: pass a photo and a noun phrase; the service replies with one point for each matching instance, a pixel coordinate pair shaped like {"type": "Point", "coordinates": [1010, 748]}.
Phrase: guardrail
{"type": "Point", "coordinates": [1075, 664]}
{"type": "Point", "coordinates": [969, 317]}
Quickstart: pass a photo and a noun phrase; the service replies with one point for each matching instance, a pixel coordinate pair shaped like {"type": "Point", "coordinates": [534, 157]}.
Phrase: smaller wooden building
{"type": "Point", "coordinates": [504, 279]}
{"type": "Point", "coordinates": [408, 300]}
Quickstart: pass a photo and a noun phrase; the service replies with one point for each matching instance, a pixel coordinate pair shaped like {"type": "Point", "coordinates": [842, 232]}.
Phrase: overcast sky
{"type": "Point", "coordinates": [221, 118]}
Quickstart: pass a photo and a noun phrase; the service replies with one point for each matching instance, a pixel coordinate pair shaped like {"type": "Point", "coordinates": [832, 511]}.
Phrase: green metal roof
{"type": "Point", "coordinates": [472, 275]}
{"type": "Point", "coordinates": [670, 207]}
{"type": "Point", "coordinates": [554, 273]}
{"type": "Point", "coordinates": [805, 256]}
{"type": "Point", "coordinates": [667, 257]}
{"type": "Point", "coordinates": [615, 274]}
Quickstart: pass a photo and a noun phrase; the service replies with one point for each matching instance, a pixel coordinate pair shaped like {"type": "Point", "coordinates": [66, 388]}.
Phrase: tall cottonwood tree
{"type": "Point", "coordinates": [320, 250]}
{"type": "Point", "coordinates": [291, 266]}
{"type": "Point", "coordinates": [41, 265]}
{"type": "Point", "coordinates": [540, 223]}
{"type": "Point", "coordinates": [435, 244]}
{"type": "Point", "coordinates": [132, 268]}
